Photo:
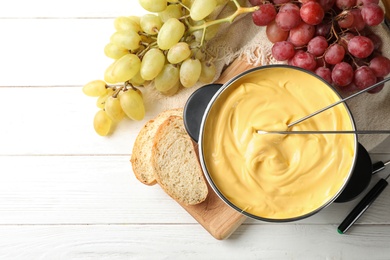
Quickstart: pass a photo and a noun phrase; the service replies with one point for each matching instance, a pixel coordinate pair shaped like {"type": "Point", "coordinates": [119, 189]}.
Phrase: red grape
{"type": "Point", "coordinates": [323, 29]}
{"type": "Point", "coordinates": [264, 15]}
{"type": "Point", "coordinates": [372, 14]}
{"type": "Point", "coordinates": [332, 38]}
{"type": "Point", "coordinates": [380, 65]}
{"type": "Point", "coordinates": [335, 54]}
{"type": "Point", "coordinates": [256, 2]}
{"type": "Point", "coordinates": [358, 22]}
{"type": "Point", "coordinates": [324, 73]}
{"type": "Point", "coordinates": [360, 46]}
{"type": "Point", "coordinates": [278, 2]}
{"type": "Point", "coordinates": [317, 45]}
{"type": "Point", "coordinates": [321, 62]}
{"type": "Point", "coordinates": [346, 20]}
{"type": "Point", "coordinates": [364, 77]}
{"type": "Point", "coordinates": [283, 50]}
{"type": "Point", "coordinates": [345, 4]}
{"type": "Point", "coordinates": [288, 17]}
{"type": "Point", "coordinates": [304, 60]}
{"type": "Point", "coordinates": [342, 74]}
{"type": "Point", "coordinates": [350, 88]}
{"type": "Point", "coordinates": [364, 2]}
{"type": "Point", "coordinates": [378, 88]}
{"type": "Point", "coordinates": [275, 34]}
{"type": "Point", "coordinates": [326, 4]}
{"type": "Point", "coordinates": [344, 39]}
{"type": "Point", "coordinates": [305, 1]}
{"type": "Point", "coordinates": [376, 40]}
{"type": "Point", "coordinates": [312, 13]}
{"type": "Point", "coordinates": [302, 34]}
{"type": "Point", "coordinates": [289, 6]}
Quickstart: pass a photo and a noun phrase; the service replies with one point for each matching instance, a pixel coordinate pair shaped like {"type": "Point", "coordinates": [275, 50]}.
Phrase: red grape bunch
{"type": "Point", "coordinates": [332, 38]}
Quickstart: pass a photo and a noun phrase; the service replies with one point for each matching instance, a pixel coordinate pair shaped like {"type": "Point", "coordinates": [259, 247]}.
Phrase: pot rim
{"type": "Point", "coordinates": [208, 175]}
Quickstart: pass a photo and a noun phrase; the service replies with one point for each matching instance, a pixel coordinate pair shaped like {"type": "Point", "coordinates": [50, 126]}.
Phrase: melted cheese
{"type": "Point", "coordinates": [277, 176]}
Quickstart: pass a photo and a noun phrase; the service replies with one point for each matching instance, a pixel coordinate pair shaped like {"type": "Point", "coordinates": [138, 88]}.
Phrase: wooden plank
{"type": "Point", "coordinates": [53, 51]}
{"type": "Point", "coordinates": [103, 190]}
{"type": "Point", "coordinates": [71, 8]}
{"type": "Point", "coordinates": [91, 189]}
{"type": "Point", "coordinates": [58, 120]}
{"type": "Point", "coordinates": [192, 242]}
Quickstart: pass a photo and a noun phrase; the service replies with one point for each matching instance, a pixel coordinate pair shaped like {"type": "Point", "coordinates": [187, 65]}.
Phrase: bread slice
{"type": "Point", "coordinates": [142, 149]}
{"type": "Point", "coordinates": [176, 166]}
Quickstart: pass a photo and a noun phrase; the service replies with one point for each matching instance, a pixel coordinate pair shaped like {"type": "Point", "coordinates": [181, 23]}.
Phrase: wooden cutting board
{"type": "Point", "coordinates": [219, 219]}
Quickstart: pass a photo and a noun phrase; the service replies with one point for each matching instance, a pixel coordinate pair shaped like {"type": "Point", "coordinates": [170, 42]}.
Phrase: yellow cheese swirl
{"type": "Point", "coordinates": [277, 176]}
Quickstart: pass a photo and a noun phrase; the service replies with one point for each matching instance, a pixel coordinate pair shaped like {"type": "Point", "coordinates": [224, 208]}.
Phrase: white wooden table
{"type": "Point", "coordinates": [66, 193]}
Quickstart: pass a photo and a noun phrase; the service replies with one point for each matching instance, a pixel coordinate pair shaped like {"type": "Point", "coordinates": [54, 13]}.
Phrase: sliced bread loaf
{"type": "Point", "coordinates": [176, 166]}
{"type": "Point", "coordinates": [142, 149]}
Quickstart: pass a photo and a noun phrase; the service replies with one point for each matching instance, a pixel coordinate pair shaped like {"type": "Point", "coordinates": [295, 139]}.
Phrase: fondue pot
{"type": "Point", "coordinates": [197, 116]}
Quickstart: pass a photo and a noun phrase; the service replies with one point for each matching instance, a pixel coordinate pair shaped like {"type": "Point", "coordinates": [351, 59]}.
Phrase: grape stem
{"type": "Point", "coordinates": [229, 19]}
{"type": "Point", "coordinates": [148, 47]}
{"type": "Point", "coordinates": [116, 93]}
{"type": "Point", "coordinates": [335, 33]}
{"type": "Point", "coordinates": [184, 6]}
{"type": "Point", "coordinates": [353, 60]}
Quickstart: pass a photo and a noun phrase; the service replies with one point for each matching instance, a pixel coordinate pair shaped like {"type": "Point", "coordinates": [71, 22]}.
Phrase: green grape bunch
{"type": "Point", "coordinates": [166, 47]}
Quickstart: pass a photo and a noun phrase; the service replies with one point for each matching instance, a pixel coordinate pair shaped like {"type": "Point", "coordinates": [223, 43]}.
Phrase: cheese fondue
{"type": "Point", "coordinates": [275, 176]}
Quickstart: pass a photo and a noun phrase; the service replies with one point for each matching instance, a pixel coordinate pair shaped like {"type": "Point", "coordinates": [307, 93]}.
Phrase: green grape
{"type": "Point", "coordinates": [150, 23]}
{"type": "Point", "coordinates": [172, 91]}
{"type": "Point", "coordinates": [95, 88]}
{"type": "Point", "coordinates": [134, 18]}
{"type": "Point", "coordinates": [196, 52]}
{"type": "Point", "coordinates": [108, 75]}
{"type": "Point", "coordinates": [187, 3]}
{"type": "Point", "coordinates": [167, 78]}
{"type": "Point", "coordinates": [173, 1]}
{"type": "Point", "coordinates": [222, 2]}
{"type": "Point", "coordinates": [170, 33]}
{"type": "Point", "coordinates": [123, 69]}
{"type": "Point", "coordinates": [100, 102]}
{"type": "Point", "coordinates": [124, 23]}
{"type": "Point", "coordinates": [190, 72]}
{"type": "Point", "coordinates": [139, 92]}
{"type": "Point", "coordinates": [208, 72]}
{"type": "Point", "coordinates": [132, 104]}
{"type": "Point", "coordinates": [152, 63]}
{"type": "Point", "coordinates": [137, 80]}
{"type": "Point", "coordinates": [126, 39]}
{"type": "Point", "coordinates": [153, 5]}
{"type": "Point", "coordinates": [113, 51]}
{"type": "Point", "coordinates": [172, 11]}
{"type": "Point", "coordinates": [178, 52]}
{"type": "Point", "coordinates": [202, 8]}
{"type": "Point", "coordinates": [113, 108]}
{"type": "Point", "coordinates": [210, 33]}
{"type": "Point", "coordinates": [102, 123]}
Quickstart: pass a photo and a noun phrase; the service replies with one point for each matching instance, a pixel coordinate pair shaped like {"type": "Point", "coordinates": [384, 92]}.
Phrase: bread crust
{"type": "Point", "coordinates": [142, 149]}
{"type": "Point", "coordinates": [176, 166]}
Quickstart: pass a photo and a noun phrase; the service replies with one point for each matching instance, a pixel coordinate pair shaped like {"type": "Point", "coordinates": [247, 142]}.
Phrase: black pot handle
{"type": "Point", "coordinates": [195, 108]}
{"type": "Point", "coordinates": [360, 178]}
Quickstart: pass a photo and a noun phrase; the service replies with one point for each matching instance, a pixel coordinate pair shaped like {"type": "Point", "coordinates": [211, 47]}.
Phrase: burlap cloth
{"type": "Point", "coordinates": [247, 42]}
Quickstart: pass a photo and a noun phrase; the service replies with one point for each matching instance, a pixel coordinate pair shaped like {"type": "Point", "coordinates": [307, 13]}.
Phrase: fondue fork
{"type": "Point", "coordinates": [364, 204]}
{"type": "Point", "coordinates": [326, 132]}
{"type": "Point", "coordinates": [338, 102]}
